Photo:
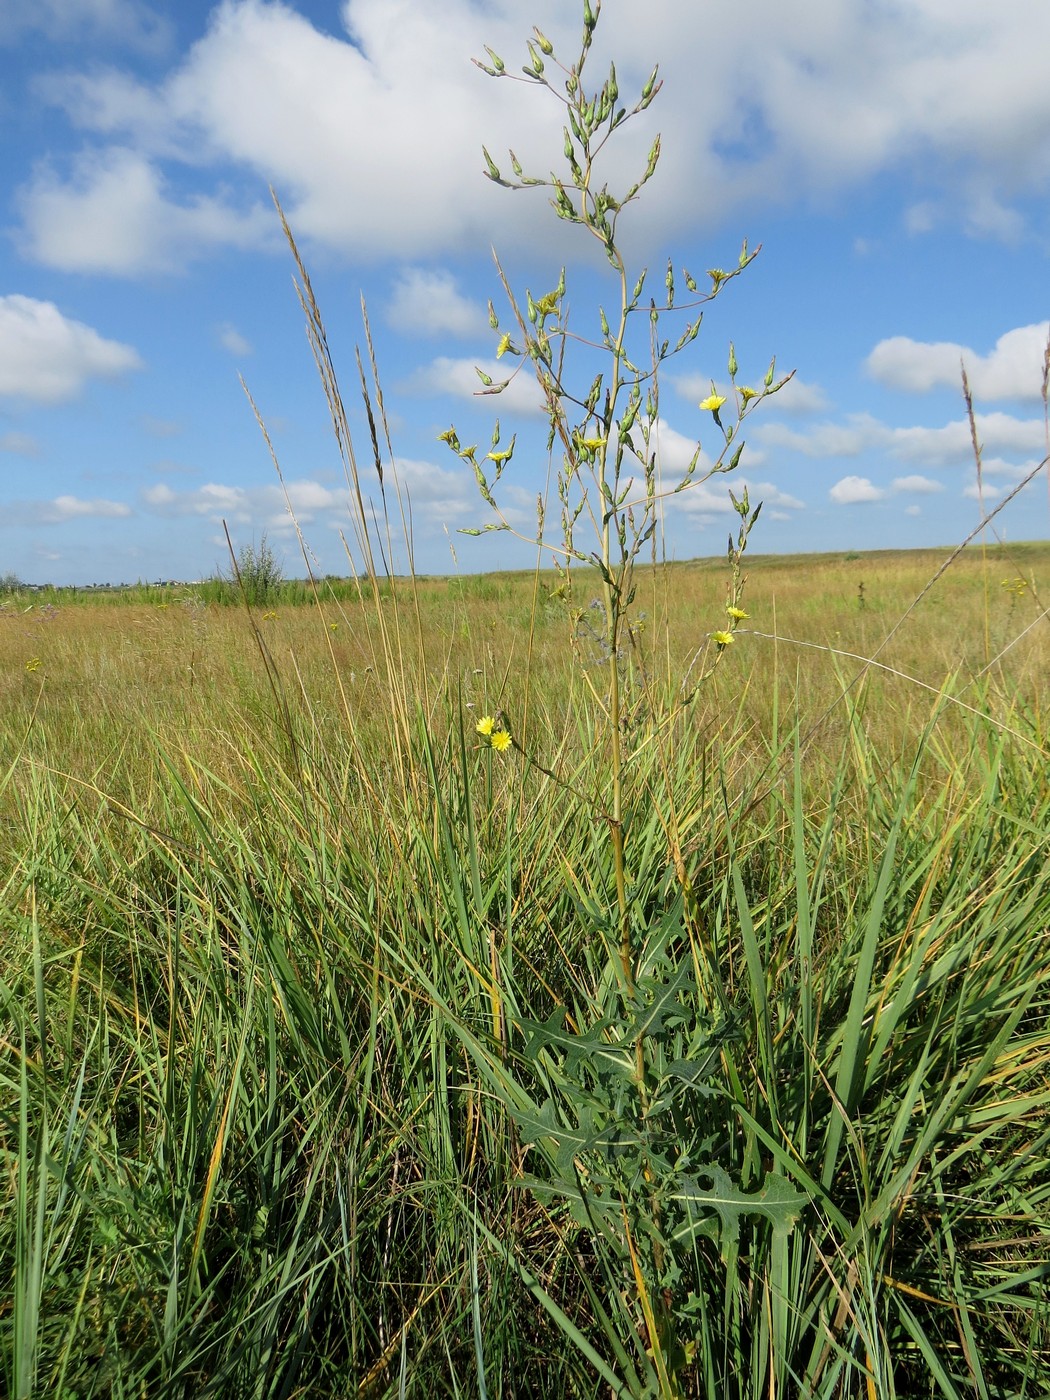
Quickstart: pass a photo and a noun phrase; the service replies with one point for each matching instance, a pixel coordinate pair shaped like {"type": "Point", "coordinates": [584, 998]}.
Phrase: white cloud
{"type": "Point", "coordinates": [798, 396]}
{"type": "Point", "coordinates": [459, 378]}
{"type": "Point", "coordinates": [21, 444]}
{"type": "Point", "coordinates": [429, 303]}
{"type": "Point", "coordinates": [918, 485]}
{"type": "Point", "coordinates": [846, 439]}
{"type": "Point", "coordinates": [230, 339]}
{"type": "Point", "coordinates": [853, 489]}
{"type": "Point", "coordinates": [115, 216]}
{"type": "Point", "coordinates": [712, 497]}
{"type": "Point", "coordinates": [951, 444]}
{"type": "Point", "coordinates": [438, 496]}
{"type": "Point", "coordinates": [60, 510]}
{"type": "Point", "coordinates": [1012, 370]}
{"type": "Point", "coordinates": [913, 510]}
{"type": "Point", "coordinates": [125, 21]}
{"type": "Point", "coordinates": [161, 427]}
{"type": "Point", "coordinates": [46, 357]}
{"type": "Point", "coordinates": [921, 217]}
{"type": "Point", "coordinates": [948, 445]}
{"type": "Point", "coordinates": [395, 108]}
{"type": "Point", "coordinates": [989, 217]}
{"type": "Point", "coordinates": [987, 492]}
{"type": "Point", "coordinates": [997, 466]}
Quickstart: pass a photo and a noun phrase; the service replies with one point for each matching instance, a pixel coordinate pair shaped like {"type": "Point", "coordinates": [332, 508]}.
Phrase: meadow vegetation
{"type": "Point", "coordinates": [693, 1042]}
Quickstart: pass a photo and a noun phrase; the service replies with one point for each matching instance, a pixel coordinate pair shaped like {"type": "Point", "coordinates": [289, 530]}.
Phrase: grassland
{"type": "Point", "coordinates": [312, 1065]}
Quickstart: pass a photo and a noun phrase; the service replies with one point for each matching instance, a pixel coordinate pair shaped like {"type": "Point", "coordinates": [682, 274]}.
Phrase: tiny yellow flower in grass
{"type": "Point", "coordinates": [501, 740]}
{"type": "Point", "coordinates": [33, 665]}
{"type": "Point", "coordinates": [722, 639]}
{"type": "Point", "coordinates": [269, 616]}
{"type": "Point", "coordinates": [713, 402]}
{"type": "Point", "coordinates": [485, 725]}
{"type": "Point", "coordinates": [333, 627]}
{"type": "Point", "coordinates": [737, 614]}
{"type": "Point", "coordinates": [594, 443]}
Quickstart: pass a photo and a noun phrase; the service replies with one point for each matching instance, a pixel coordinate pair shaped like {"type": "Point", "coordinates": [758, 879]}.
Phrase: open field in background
{"type": "Point", "coordinates": [92, 686]}
{"type": "Point", "coordinates": [293, 972]}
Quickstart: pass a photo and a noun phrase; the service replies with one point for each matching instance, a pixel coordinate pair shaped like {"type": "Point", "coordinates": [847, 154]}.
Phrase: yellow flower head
{"type": "Point", "coordinates": [33, 665]}
{"type": "Point", "coordinates": [722, 639]}
{"type": "Point", "coordinates": [501, 740]}
{"type": "Point", "coordinates": [485, 725]}
{"type": "Point", "coordinates": [713, 402]}
{"type": "Point", "coordinates": [737, 614]}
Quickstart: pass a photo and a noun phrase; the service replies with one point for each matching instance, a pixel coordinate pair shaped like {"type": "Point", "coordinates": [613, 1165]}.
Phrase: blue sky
{"type": "Point", "coordinates": [893, 159]}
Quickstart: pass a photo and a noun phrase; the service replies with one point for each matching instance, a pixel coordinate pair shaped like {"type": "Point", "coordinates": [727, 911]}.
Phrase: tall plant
{"type": "Point", "coordinates": [614, 1092]}
{"type": "Point", "coordinates": [604, 436]}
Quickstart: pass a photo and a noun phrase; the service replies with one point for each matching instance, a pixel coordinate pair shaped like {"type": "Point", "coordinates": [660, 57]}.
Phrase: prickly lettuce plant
{"type": "Point", "coordinates": [619, 1110]}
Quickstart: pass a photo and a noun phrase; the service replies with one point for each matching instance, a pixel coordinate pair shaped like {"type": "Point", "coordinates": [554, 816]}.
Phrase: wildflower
{"type": "Point", "coordinates": [594, 443]}
{"type": "Point", "coordinates": [737, 614]}
{"type": "Point", "coordinates": [713, 402]}
{"type": "Point", "coordinates": [269, 616]}
{"type": "Point", "coordinates": [500, 740]}
{"type": "Point", "coordinates": [33, 665]}
{"type": "Point", "coordinates": [485, 725]}
{"type": "Point", "coordinates": [722, 639]}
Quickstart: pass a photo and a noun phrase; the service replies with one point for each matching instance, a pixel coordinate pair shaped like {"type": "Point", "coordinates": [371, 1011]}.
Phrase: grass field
{"type": "Point", "coordinates": [317, 1075]}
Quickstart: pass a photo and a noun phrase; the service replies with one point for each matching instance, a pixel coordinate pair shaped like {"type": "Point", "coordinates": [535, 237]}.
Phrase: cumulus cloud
{"type": "Point", "coordinates": [917, 485]}
{"type": "Point", "coordinates": [230, 339]}
{"type": "Point", "coordinates": [852, 490]}
{"type": "Point", "coordinates": [429, 303]}
{"type": "Point", "coordinates": [64, 21]}
{"type": "Point", "coordinates": [797, 398]}
{"type": "Point", "coordinates": [847, 439]}
{"type": "Point", "coordinates": [1013, 369]}
{"type": "Point", "coordinates": [948, 445]}
{"type": "Point", "coordinates": [393, 105]}
{"type": "Point", "coordinates": [116, 215]}
{"type": "Point", "coordinates": [438, 496]}
{"type": "Point", "coordinates": [21, 444]}
{"type": "Point", "coordinates": [459, 378]}
{"type": "Point", "coordinates": [998, 466]}
{"type": "Point", "coordinates": [952, 444]}
{"type": "Point", "coordinates": [46, 357]}
{"type": "Point", "coordinates": [60, 510]}
{"type": "Point", "coordinates": [985, 492]}
{"type": "Point", "coordinates": [160, 427]}
{"type": "Point", "coordinates": [712, 497]}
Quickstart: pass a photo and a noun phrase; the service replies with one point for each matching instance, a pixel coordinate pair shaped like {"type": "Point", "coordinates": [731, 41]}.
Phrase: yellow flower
{"type": "Point", "coordinates": [722, 639]}
{"type": "Point", "coordinates": [594, 443]}
{"type": "Point", "coordinates": [485, 725]}
{"type": "Point", "coordinates": [501, 740]}
{"type": "Point", "coordinates": [737, 614]}
{"type": "Point", "coordinates": [713, 402]}
{"type": "Point", "coordinates": [33, 665]}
